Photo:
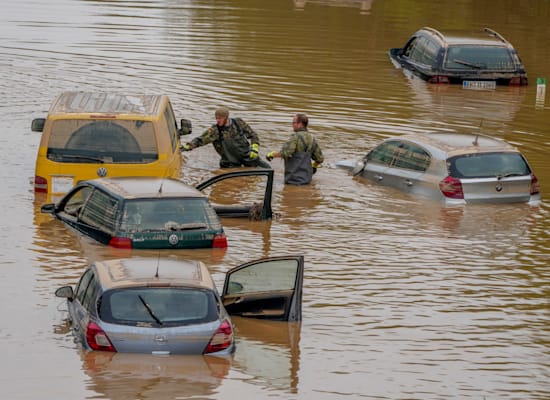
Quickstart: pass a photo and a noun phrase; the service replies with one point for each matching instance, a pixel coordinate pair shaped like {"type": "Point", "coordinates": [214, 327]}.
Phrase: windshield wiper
{"type": "Point", "coordinates": [468, 64]}
{"type": "Point", "coordinates": [75, 157]}
{"type": "Point", "coordinates": [149, 310]}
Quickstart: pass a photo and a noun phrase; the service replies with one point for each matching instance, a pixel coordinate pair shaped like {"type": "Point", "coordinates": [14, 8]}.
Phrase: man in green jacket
{"type": "Point", "coordinates": [234, 140]}
{"type": "Point", "coordinates": [301, 153]}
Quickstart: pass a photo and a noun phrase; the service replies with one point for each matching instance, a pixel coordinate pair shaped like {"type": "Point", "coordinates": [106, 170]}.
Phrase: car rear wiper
{"type": "Point", "coordinates": [468, 64]}
{"type": "Point", "coordinates": [149, 310]}
{"type": "Point", "coordinates": [509, 174]}
{"type": "Point", "coordinates": [75, 157]}
{"type": "Point", "coordinates": [174, 226]}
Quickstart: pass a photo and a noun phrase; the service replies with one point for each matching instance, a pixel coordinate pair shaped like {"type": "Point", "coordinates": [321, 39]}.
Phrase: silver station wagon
{"type": "Point", "coordinates": [455, 167]}
{"type": "Point", "coordinates": [169, 306]}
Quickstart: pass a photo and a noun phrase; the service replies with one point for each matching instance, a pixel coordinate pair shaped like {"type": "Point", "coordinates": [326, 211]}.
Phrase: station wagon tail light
{"type": "Point", "coordinates": [222, 339]}
{"type": "Point", "coordinates": [451, 188]}
{"type": "Point", "coordinates": [535, 187]}
{"type": "Point", "coordinates": [120, 242]}
{"type": "Point", "coordinates": [97, 339]}
{"type": "Point", "coordinates": [220, 241]}
{"type": "Point", "coordinates": [40, 184]}
{"type": "Point", "coordinates": [439, 79]}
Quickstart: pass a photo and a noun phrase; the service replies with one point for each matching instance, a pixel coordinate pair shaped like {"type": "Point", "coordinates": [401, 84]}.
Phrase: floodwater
{"type": "Point", "coordinates": [403, 298]}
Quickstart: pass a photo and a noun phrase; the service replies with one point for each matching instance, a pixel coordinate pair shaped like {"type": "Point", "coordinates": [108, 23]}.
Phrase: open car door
{"type": "Point", "coordinates": [270, 288]}
{"type": "Point", "coordinates": [245, 185]}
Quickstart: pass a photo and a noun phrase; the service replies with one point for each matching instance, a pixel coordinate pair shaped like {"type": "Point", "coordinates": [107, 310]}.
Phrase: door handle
{"type": "Point", "coordinates": [408, 182]}
{"type": "Point", "coordinates": [378, 177]}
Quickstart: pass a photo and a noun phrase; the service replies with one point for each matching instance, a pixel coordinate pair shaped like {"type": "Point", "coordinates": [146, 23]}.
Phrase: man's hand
{"type": "Point", "coordinates": [254, 149]}
{"type": "Point", "coordinates": [186, 147]}
{"type": "Point", "coordinates": [270, 156]}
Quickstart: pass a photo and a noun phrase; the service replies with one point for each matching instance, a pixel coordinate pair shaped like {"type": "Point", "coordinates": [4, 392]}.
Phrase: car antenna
{"type": "Point", "coordinates": [475, 142]}
{"type": "Point", "coordinates": [158, 262]}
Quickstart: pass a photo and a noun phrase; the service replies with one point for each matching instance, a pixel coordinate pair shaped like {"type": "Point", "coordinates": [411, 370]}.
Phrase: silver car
{"type": "Point", "coordinates": [455, 167]}
{"type": "Point", "coordinates": [168, 306]}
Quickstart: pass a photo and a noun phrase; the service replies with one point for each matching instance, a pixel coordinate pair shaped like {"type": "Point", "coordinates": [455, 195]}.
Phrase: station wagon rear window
{"type": "Point", "coordinates": [166, 306]}
{"type": "Point", "coordinates": [487, 165]}
{"type": "Point", "coordinates": [102, 141]}
{"type": "Point", "coordinates": [176, 214]}
{"type": "Point", "coordinates": [479, 57]}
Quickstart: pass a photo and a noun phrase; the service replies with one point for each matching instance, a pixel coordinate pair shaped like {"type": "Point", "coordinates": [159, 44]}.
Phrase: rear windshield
{"type": "Point", "coordinates": [164, 306]}
{"type": "Point", "coordinates": [173, 214]}
{"type": "Point", "coordinates": [90, 141]}
{"type": "Point", "coordinates": [488, 165]}
{"type": "Point", "coordinates": [479, 57]}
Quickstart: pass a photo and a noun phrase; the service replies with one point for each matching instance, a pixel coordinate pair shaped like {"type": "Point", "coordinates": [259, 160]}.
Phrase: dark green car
{"type": "Point", "coordinates": [154, 213]}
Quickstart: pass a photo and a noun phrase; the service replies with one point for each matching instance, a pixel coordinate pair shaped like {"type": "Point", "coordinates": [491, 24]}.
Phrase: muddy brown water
{"type": "Point", "coordinates": [403, 298]}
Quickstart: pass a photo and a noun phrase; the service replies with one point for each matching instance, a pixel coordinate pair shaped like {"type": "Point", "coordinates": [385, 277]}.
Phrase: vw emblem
{"type": "Point", "coordinates": [173, 239]}
{"type": "Point", "coordinates": [102, 172]}
{"type": "Point", "coordinates": [498, 187]}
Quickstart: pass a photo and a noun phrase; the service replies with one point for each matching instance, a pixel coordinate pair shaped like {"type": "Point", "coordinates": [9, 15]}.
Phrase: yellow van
{"type": "Point", "coordinates": [90, 135]}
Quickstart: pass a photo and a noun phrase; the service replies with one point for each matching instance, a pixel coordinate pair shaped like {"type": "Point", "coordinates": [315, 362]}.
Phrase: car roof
{"type": "Point", "coordinates": [146, 187]}
{"type": "Point", "coordinates": [144, 271]}
{"type": "Point", "coordinates": [107, 103]}
{"type": "Point", "coordinates": [484, 37]}
{"type": "Point", "coordinates": [459, 143]}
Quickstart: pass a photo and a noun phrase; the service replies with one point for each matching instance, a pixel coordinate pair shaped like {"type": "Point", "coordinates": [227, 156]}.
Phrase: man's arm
{"type": "Point", "coordinates": [207, 137]}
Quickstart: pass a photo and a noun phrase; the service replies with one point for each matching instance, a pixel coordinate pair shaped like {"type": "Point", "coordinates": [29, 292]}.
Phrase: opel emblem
{"type": "Point", "coordinates": [102, 172]}
{"type": "Point", "coordinates": [173, 239]}
{"type": "Point", "coordinates": [498, 187]}
{"type": "Point", "coordinates": [161, 339]}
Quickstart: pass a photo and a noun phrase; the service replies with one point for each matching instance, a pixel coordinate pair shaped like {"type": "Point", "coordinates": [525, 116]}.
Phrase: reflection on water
{"type": "Point", "coordinates": [403, 298]}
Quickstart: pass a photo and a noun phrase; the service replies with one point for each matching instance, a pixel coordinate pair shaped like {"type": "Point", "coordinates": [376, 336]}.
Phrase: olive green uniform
{"type": "Point", "coordinates": [297, 153]}
{"type": "Point", "coordinates": [232, 142]}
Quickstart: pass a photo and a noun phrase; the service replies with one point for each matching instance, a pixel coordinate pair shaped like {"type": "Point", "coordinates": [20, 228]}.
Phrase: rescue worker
{"type": "Point", "coordinates": [234, 140]}
{"type": "Point", "coordinates": [301, 153]}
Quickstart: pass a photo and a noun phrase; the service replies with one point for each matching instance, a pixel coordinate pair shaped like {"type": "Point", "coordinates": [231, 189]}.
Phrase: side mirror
{"type": "Point", "coordinates": [185, 127]}
{"type": "Point", "coordinates": [48, 208]}
{"type": "Point", "coordinates": [37, 124]}
{"type": "Point", "coordinates": [65, 292]}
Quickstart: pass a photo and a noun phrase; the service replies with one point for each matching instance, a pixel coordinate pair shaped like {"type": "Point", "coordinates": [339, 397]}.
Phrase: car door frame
{"type": "Point", "coordinates": [243, 211]}
{"type": "Point", "coordinates": [259, 304]}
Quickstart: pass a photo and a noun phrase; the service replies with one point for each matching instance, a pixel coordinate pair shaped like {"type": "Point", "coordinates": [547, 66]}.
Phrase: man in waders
{"type": "Point", "coordinates": [234, 140]}
{"type": "Point", "coordinates": [301, 153]}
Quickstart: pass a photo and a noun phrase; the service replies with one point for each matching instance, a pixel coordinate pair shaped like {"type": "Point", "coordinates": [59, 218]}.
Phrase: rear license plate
{"type": "Point", "coordinates": [62, 184]}
{"type": "Point", "coordinates": [479, 84]}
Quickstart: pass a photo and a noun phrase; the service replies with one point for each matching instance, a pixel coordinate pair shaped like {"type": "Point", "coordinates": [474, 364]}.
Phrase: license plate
{"type": "Point", "coordinates": [479, 84]}
{"type": "Point", "coordinates": [62, 184]}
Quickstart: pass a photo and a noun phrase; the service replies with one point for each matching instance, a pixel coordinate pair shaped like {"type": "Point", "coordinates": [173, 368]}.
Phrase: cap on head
{"type": "Point", "coordinates": [222, 112]}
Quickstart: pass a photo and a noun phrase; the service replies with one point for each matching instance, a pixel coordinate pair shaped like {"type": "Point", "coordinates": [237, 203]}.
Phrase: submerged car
{"type": "Point", "coordinates": [169, 306]}
{"type": "Point", "coordinates": [154, 213]}
{"type": "Point", "coordinates": [455, 167]}
{"type": "Point", "coordinates": [90, 135]}
{"type": "Point", "coordinates": [476, 61]}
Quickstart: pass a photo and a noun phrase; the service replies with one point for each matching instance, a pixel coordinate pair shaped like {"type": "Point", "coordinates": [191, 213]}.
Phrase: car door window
{"type": "Point", "coordinates": [73, 205]}
{"type": "Point", "coordinates": [83, 285]}
{"type": "Point", "coordinates": [268, 289]}
{"type": "Point", "coordinates": [425, 51]}
{"type": "Point", "coordinates": [172, 126]}
{"type": "Point", "coordinates": [384, 153]}
{"type": "Point", "coordinates": [411, 156]}
{"type": "Point", "coordinates": [90, 293]}
{"type": "Point", "coordinates": [100, 211]}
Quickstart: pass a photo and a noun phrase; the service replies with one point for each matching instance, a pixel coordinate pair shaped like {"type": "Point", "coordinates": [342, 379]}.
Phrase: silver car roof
{"type": "Point", "coordinates": [458, 143]}
{"type": "Point", "coordinates": [139, 272]}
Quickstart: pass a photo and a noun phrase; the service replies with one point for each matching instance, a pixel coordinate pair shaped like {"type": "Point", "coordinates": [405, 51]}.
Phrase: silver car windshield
{"type": "Point", "coordinates": [158, 306]}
